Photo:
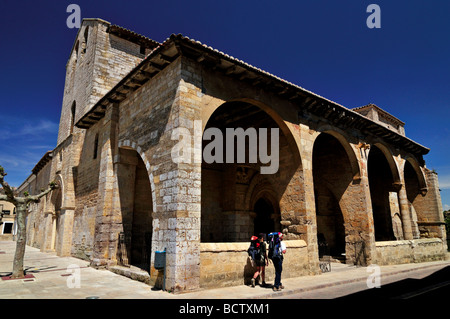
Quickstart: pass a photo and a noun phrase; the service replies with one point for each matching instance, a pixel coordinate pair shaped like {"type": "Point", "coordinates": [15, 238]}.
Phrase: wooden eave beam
{"type": "Point", "coordinates": [166, 58]}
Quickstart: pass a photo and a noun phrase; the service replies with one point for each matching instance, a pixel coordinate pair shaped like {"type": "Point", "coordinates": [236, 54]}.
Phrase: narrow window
{"type": "Point", "coordinates": [86, 33]}
{"type": "Point", "coordinates": [72, 119]}
{"type": "Point", "coordinates": [142, 49]}
{"type": "Point", "coordinates": [95, 146]}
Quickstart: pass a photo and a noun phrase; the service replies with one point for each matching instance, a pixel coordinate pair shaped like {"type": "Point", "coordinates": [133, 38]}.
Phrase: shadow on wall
{"type": "Point", "coordinates": [249, 271]}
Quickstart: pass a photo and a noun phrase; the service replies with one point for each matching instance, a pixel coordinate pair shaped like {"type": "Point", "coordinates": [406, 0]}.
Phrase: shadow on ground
{"type": "Point", "coordinates": [436, 285]}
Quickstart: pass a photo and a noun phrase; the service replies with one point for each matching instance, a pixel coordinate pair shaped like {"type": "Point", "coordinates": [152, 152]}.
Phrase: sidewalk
{"type": "Point", "coordinates": [55, 278]}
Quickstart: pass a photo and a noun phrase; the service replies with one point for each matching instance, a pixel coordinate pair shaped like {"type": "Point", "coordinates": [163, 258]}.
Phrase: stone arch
{"type": "Point", "coordinates": [260, 189]}
{"type": "Point", "coordinates": [256, 187]}
{"type": "Point", "coordinates": [414, 184]}
{"type": "Point", "coordinates": [334, 190]}
{"type": "Point", "coordinates": [57, 192]}
{"type": "Point", "coordinates": [235, 203]}
{"type": "Point", "coordinates": [266, 213]}
{"type": "Point", "coordinates": [395, 170]}
{"type": "Point", "coordinates": [127, 144]}
{"type": "Point", "coordinates": [287, 130]}
{"type": "Point", "coordinates": [134, 186]}
{"type": "Point", "coordinates": [420, 175]}
{"type": "Point", "coordinates": [384, 181]}
{"type": "Point", "coordinates": [341, 136]}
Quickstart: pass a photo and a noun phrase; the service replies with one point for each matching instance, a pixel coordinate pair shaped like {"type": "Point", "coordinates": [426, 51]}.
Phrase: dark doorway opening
{"type": "Point", "coordinates": [136, 206]}
{"type": "Point", "coordinates": [264, 222]}
{"type": "Point", "coordinates": [381, 183]}
{"type": "Point", "coordinates": [332, 175]}
{"type": "Point", "coordinates": [330, 224]}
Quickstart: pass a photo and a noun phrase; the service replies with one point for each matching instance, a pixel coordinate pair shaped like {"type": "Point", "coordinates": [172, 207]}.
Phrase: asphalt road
{"type": "Point", "coordinates": [417, 284]}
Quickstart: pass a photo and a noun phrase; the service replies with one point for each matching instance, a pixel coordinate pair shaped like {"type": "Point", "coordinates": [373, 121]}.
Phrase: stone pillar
{"type": "Point", "coordinates": [48, 244]}
{"type": "Point", "coordinates": [305, 145]}
{"type": "Point", "coordinates": [366, 231]}
{"type": "Point", "coordinates": [176, 222]}
{"type": "Point", "coordinates": [405, 213]}
{"type": "Point", "coordinates": [64, 244]}
{"type": "Point", "coordinates": [310, 222]}
{"type": "Point", "coordinates": [106, 226]}
{"type": "Point", "coordinates": [360, 231]}
{"type": "Point", "coordinates": [53, 239]}
{"type": "Point", "coordinates": [176, 226]}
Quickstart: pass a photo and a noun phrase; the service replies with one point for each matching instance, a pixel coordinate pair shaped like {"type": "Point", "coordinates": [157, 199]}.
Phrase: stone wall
{"type": "Point", "coordinates": [409, 251]}
{"type": "Point", "coordinates": [37, 232]}
{"type": "Point", "coordinates": [228, 264]}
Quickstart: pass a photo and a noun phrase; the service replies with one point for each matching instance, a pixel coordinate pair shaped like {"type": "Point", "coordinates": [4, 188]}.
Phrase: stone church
{"type": "Point", "coordinates": [349, 180]}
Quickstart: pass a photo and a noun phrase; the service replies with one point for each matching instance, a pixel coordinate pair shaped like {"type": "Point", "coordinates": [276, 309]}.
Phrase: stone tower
{"type": "Point", "coordinates": [101, 56]}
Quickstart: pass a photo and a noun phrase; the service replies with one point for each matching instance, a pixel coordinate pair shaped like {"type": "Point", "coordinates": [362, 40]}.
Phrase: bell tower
{"type": "Point", "coordinates": [101, 56]}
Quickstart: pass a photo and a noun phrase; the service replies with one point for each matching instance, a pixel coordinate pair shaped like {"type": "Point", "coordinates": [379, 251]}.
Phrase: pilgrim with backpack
{"type": "Point", "coordinates": [258, 253]}
{"type": "Point", "coordinates": [276, 250]}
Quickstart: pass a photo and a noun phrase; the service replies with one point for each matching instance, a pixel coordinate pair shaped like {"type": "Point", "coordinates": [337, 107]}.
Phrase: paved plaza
{"type": "Point", "coordinates": [54, 277]}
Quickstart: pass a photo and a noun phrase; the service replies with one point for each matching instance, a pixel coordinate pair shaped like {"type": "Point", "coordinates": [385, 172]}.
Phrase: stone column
{"type": "Point", "coordinates": [305, 145]}
{"type": "Point", "coordinates": [176, 222]}
{"type": "Point", "coordinates": [64, 244]}
{"type": "Point", "coordinates": [360, 231]}
{"type": "Point", "coordinates": [176, 226]}
{"type": "Point", "coordinates": [48, 243]}
{"type": "Point", "coordinates": [405, 212]}
{"type": "Point", "coordinates": [53, 239]}
{"type": "Point", "coordinates": [106, 228]}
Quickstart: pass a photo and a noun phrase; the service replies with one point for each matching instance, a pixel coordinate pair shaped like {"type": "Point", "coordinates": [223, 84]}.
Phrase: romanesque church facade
{"type": "Point", "coordinates": [349, 179]}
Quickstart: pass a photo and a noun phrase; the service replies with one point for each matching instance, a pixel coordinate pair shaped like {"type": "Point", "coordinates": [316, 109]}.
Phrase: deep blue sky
{"type": "Point", "coordinates": [323, 46]}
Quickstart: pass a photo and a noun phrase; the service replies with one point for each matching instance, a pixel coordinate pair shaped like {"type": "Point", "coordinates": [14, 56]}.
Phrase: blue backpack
{"type": "Point", "coordinates": [274, 246]}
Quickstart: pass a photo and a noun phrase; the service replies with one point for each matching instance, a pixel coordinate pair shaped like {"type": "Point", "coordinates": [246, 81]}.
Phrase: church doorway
{"type": "Point", "coordinates": [265, 212]}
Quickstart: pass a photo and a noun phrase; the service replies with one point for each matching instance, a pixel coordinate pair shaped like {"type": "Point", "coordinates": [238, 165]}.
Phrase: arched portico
{"type": "Point", "coordinates": [136, 206]}
{"type": "Point", "coordinates": [415, 187]}
{"type": "Point", "coordinates": [231, 189]}
{"type": "Point", "coordinates": [343, 222]}
{"type": "Point", "coordinates": [384, 179]}
{"type": "Point", "coordinates": [339, 135]}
